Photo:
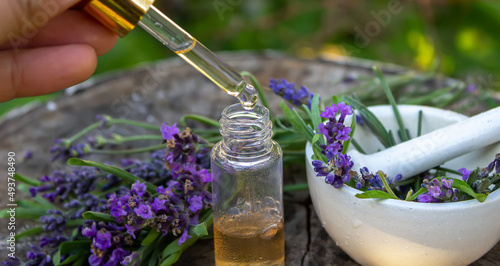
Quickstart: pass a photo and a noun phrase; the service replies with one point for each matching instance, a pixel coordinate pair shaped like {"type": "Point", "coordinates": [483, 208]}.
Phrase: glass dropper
{"type": "Point", "coordinates": [122, 16]}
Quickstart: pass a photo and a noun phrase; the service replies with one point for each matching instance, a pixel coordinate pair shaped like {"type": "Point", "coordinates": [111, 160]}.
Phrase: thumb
{"type": "Point", "coordinates": [23, 18]}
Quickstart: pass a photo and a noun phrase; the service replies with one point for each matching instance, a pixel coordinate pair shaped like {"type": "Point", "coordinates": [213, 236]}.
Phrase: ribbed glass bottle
{"type": "Point", "coordinates": [247, 173]}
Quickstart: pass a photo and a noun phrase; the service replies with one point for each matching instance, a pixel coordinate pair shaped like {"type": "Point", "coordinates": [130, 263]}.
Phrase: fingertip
{"type": "Point", "coordinates": [80, 63]}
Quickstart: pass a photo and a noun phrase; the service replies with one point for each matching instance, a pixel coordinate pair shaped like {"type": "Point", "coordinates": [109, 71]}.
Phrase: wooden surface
{"type": "Point", "coordinates": [165, 91]}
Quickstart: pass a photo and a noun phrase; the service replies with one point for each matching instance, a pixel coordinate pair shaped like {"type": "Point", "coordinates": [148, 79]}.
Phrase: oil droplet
{"type": "Point", "coordinates": [356, 223]}
{"type": "Point", "coordinates": [248, 97]}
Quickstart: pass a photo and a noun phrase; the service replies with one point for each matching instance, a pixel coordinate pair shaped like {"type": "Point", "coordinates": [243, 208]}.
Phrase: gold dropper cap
{"type": "Point", "coordinates": [120, 16]}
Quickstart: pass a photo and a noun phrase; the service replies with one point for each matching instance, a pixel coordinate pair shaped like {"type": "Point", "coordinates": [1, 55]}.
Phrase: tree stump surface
{"type": "Point", "coordinates": [164, 92]}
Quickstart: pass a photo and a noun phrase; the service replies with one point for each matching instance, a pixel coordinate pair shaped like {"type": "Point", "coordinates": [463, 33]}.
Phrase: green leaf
{"type": "Point", "coordinates": [27, 180]}
{"type": "Point", "coordinates": [173, 258]}
{"type": "Point", "coordinates": [464, 187]}
{"type": "Point", "coordinates": [56, 259]}
{"type": "Point", "coordinates": [316, 138]}
{"type": "Point", "coordinates": [318, 155]}
{"type": "Point", "coordinates": [371, 121]}
{"type": "Point", "coordinates": [335, 99]}
{"type": "Point", "coordinates": [392, 101]}
{"type": "Point", "coordinates": [33, 204]}
{"type": "Point", "coordinates": [473, 176]}
{"type": "Point", "coordinates": [375, 194]}
{"type": "Point", "coordinates": [171, 248]}
{"type": "Point", "coordinates": [415, 195]}
{"type": "Point", "coordinates": [391, 138]}
{"type": "Point", "coordinates": [147, 251]}
{"type": "Point", "coordinates": [357, 146]}
{"type": "Point", "coordinates": [69, 260]}
{"type": "Point", "coordinates": [200, 230]}
{"type": "Point", "coordinates": [98, 216]}
{"type": "Point", "coordinates": [24, 213]}
{"type": "Point", "coordinates": [297, 122]}
{"type": "Point", "coordinates": [308, 131]}
{"type": "Point", "coordinates": [30, 232]}
{"type": "Point", "coordinates": [74, 222]}
{"type": "Point", "coordinates": [82, 260]}
{"type": "Point", "coordinates": [152, 236]}
{"type": "Point", "coordinates": [386, 185]}
{"type": "Point", "coordinates": [114, 170]}
{"type": "Point", "coordinates": [420, 116]}
{"type": "Point", "coordinates": [315, 114]}
{"type": "Point", "coordinates": [199, 118]}
{"type": "Point", "coordinates": [257, 86]}
{"type": "Point", "coordinates": [153, 261]}
{"type": "Point", "coordinates": [74, 247]}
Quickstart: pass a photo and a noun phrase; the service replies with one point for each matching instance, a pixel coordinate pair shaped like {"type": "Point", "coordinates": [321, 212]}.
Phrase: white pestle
{"type": "Point", "coordinates": [434, 148]}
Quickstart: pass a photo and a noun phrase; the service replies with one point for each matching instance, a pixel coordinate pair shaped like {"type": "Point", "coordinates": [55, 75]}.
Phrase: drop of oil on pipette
{"type": "Point", "coordinates": [248, 97]}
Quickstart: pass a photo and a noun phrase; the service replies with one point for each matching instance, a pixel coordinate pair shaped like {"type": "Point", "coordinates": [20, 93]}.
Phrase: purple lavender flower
{"type": "Point", "coordinates": [12, 261]}
{"type": "Point", "coordinates": [144, 211]}
{"type": "Point", "coordinates": [465, 173]}
{"type": "Point", "coordinates": [38, 257]}
{"type": "Point", "coordinates": [289, 92]}
{"type": "Point", "coordinates": [426, 198]}
{"type": "Point", "coordinates": [138, 189]}
{"type": "Point", "coordinates": [439, 190]}
{"type": "Point", "coordinates": [321, 168]}
{"type": "Point", "coordinates": [54, 241]}
{"type": "Point", "coordinates": [330, 112]}
{"type": "Point", "coordinates": [471, 88]}
{"type": "Point", "coordinates": [344, 134]}
{"type": "Point", "coordinates": [105, 119]}
{"type": "Point", "coordinates": [108, 243]}
{"type": "Point", "coordinates": [28, 155]}
{"type": "Point", "coordinates": [374, 182]}
{"type": "Point", "coordinates": [55, 220]}
{"type": "Point", "coordinates": [158, 204]}
{"type": "Point", "coordinates": [337, 170]}
{"type": "Point", "coordinates": [117, 256]}
{"type": "Point", "coordinates": [102, 239]}
{"type": "Point", "coordinates": [168, 132]}
{"type": "Point", "coordinates": [344, 111]}
{"type": "Point", "coordinates": [63, 150]}
{"type": "Point", "coordinates": [195, 203]}
{"type": "Point", "coordinates": [90, 231]}
{"type": "Point", "coordinates": [183, 237]}
{"type": "Point", "coordinates": [132, 259]}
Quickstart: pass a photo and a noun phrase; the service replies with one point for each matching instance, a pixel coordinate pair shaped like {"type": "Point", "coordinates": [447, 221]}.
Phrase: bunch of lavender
{"type": "Point", "coordinates": [182, 197]}
{"type": "Point", "coordinates": [172, 209]}
{"type": "Point", "coordinates": [337, 168]}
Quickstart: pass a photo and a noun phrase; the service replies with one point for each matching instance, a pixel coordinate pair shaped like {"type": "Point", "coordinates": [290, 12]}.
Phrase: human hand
{"type": "Point", "coordinates": [44, 47]}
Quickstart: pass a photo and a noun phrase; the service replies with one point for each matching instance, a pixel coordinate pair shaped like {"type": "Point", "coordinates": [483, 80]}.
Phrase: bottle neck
{"type": "Point", "coordinates": [246, 133]}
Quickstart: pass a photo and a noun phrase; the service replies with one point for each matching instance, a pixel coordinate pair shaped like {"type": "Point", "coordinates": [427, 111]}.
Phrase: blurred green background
{"type": "Point", "coordinates": [459, 37]}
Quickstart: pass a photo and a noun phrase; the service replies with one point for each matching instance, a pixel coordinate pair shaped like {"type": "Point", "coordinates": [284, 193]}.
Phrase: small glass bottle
{"type": "Point", "coordinates": [247, 187]}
